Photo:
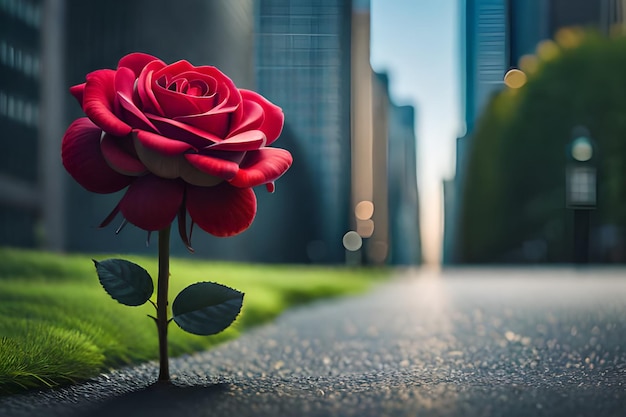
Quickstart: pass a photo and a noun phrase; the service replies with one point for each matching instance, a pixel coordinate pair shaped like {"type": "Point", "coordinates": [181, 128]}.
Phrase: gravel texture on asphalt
{"type": "Point", "coordinates": [466, 342]}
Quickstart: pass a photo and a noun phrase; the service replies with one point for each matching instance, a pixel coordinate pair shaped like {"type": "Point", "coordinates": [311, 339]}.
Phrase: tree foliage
{"type": "Point", "coordinates": [514, 192]}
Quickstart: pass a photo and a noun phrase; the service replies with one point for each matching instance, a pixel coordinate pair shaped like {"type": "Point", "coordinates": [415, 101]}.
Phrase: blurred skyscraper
{"type": "Point", "coordinates": [532, 21]}
{"type": "Point", "coordinates": [495, 34]}
{"type": "Point", "coordinates": [20, 60]}
{"type": "Point", "coordinates": [484, 60]}
{"type": "Point", "coordinates": [404, 214]}
{"type": "Point", "coordinates": [363, 119]}
{"type": "Point", "coordinates": [303, 65]}
{"type": "Point", "coordinates": [378, 245]}
{"type": "Point", "coordinates": [313, 60]}
{"type": "Point", "coordinates": [484, 54]}
{"type": "Point", "coordinates": [311, 57]}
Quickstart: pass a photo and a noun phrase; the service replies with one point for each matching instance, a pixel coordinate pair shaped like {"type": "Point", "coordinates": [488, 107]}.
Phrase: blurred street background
{"type": "Point", "coordinates": [452, 132]}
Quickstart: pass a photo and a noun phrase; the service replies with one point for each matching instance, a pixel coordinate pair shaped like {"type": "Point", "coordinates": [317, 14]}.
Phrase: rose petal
{"type": "Point", "coordinates": [83, 159]}
{"type": "Point", "coordinates": [136, 62]}
{"type": "Point", "coordinates": [98, 102]}
{"type": "Point", "coordinates": [194, 176]}
{"type": "Point", "coordinates": [200, 96]}
{"type": "Point", "coordinates": [161, 165]}
{"type": "Point", "coordinates": [198, 138]}
{"type": "Point", "coordinates": [227, 91]}
{"type": "Point", "coordinates": [173, 103]}
{"type": "Point", "coordinates": [274, 118]}
{"type": "Point", "coordinates": [245, 141]}
{"type": "Point", "coordinates": [215, 122]}
{"type": "Point", "coordinates": [133, 115]}
{"type": "Point", "coordinates": [219, 163]}
{"type": "Point", "coordinates": [121, 156]}
{"type": "Point", "coordinates": [262, 166]}
{"type": "Point", "coordinates": [151, 203]}
{"type": "Point", "coordinates": [169, 71]}
{"type": "Point", "coordinates": [77, 92]}
{"type": "Point", "coordinates": [171, 166]}
{"type": "Point", "coordinates": [222, 210]}
{"type": "Point", "coordinates": [249, 116]}
{"type": "Point", "coordinates": [227, 94]}
{"type": "Point", "coordinates": [161, 144]}
{"type": "Point", "coordinates": [144, 88]}
{"type": "Point", "coordinates": [124, 87]}
{"type": "Point", "coordinates": [199, 85]}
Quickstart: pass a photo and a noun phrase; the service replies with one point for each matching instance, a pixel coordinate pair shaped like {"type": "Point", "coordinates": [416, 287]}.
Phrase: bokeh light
{"type": "Point", "coordinates": [365, 228]}
{"type": "Point", "coordinates": [547, 50]}
{"type": "Point", "coordinates": [568, 37]}
{"type": "Point", "coordinates": [515, 78]}
{"type": "Point", "coordinates": [364, 210]}
{"type": "Point", "coordinates": [528, 63]}
{"type": "Point", "coordinates": [352, 241]}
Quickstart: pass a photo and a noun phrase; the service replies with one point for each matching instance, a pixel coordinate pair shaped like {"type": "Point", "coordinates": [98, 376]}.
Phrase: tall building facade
{"type": "Point", "coordinates": [484, 59]}
{"type": "Point", "coordinates": [496, 33]}
{"type": "Point", "coordinates": [388, 218]}
{"type": "Point", "coordinates": [404, 210]}
{"type": "Point", "coordinates": [531, 21]}
{"type": "Point", "coordinates": [311, 57]}
{"type": "Point", "coordinates": [20, 71]}
{"type": "Point", "coordinates": [362, 124]}
{"type": "Point", "coordinates": [303, 65]}
{"type": "Point", "coordinates": [484, 54]}
{"type": "Point", "coordinates": [378, 245]}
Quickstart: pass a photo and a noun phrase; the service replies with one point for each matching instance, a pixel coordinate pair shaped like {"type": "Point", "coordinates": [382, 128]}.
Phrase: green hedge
{"type": "Point", "coordinates": [515, 182]}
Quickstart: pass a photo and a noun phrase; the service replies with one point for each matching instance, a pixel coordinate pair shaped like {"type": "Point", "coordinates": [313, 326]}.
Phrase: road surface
{"type": "Point", "coordinates": [462, 342]}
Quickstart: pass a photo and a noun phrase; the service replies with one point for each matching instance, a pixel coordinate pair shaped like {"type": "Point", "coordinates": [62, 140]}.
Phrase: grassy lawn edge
{"type": "Point", "coordinates": [58, 326]}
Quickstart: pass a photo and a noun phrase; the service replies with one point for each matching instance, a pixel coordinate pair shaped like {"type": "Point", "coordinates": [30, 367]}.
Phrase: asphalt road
{"type": "Point", "coordinates": [467, 342]}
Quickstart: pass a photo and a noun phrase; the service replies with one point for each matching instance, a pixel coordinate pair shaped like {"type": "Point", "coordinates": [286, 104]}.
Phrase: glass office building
{"type": "Point", "coordinates": [484, 60]}
{"type": "Point", "coordinates": [404, 212]}
{"type": "Point", "coordinates": [303, 65]}
{"type": "Point", "coordinates": [296, 53]}
{"type": "Point", "coordinates": [484, 54]}
{"type": "Point", "coordinates": [20, 210]}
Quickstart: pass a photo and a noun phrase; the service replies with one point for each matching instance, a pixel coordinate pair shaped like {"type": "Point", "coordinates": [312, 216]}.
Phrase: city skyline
{"type": "Point", "coordinates": [426, 76]}
{"type": "Point", "coordinates": [301, 56]}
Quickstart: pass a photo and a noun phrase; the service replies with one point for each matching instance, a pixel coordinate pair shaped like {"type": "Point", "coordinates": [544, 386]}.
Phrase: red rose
{"type": "Point", "coordinates": [182, 138]}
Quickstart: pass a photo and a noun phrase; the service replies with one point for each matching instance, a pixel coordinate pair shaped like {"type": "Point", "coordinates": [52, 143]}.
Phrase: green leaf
{"type": "Point", "coordinates": [126, 282]}
{"type": "Point", "coordinates": [206, 308]}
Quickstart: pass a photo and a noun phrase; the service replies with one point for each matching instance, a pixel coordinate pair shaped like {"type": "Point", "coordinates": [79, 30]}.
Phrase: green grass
{"type": "Point", "coordinates": [58, 326]}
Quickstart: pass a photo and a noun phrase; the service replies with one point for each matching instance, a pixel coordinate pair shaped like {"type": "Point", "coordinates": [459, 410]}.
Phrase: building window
{"type": "Point", "coordinates": [27, 11]}
{"type": "Point", "coordinates": [19, 110]}
{"type": "Point", "coordinates": [19, 59]}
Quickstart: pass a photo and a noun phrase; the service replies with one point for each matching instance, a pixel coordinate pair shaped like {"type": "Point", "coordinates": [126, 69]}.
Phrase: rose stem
{"type": "Point", "coordinates": [162, 288]}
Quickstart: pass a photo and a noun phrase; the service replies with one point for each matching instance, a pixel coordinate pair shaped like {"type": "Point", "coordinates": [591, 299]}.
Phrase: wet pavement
{"type": "Point", "coordinates": [462, 342]}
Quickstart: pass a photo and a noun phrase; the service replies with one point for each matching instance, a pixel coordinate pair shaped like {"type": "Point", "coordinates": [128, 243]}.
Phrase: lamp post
{"type": "Point", "coordinates": [581, 188]}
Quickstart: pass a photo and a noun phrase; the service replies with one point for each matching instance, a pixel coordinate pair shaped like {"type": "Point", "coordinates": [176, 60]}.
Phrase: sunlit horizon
{"type": "Point", "coordinates": [415, 42]}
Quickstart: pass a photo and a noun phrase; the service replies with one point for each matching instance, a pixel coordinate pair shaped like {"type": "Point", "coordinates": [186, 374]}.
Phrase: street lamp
{"type": "Point", "coordinates": [581, 188]}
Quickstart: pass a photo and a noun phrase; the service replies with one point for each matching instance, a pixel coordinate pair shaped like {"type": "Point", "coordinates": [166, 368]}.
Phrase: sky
{"type": "Point", "coordinates": [416, 43]}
